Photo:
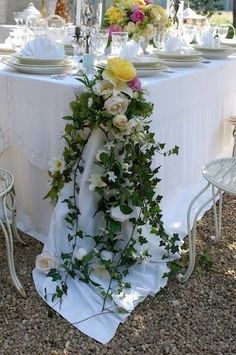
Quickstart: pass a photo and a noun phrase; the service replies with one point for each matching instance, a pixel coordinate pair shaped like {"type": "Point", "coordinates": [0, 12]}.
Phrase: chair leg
{"type": "Point", "coordinates": [192, 234]}
{"type": "Point", "coordinates": [9, 246]}
{"type": "Point", "coordinates": [12, 208]}
{"type": "Point", "coordinates": [218, 235]}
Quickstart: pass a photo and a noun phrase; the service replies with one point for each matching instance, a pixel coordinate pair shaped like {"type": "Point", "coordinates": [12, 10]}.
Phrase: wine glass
{"type": "Point", "coordinates": [18, 18]}
{"type": "Point", "coordinates": [17, 39]}
{"type": "Point", "coordinates": [118, 41]}
{"type": "Point", "coordinates": [79, 47]}
{"type": "Point", "coordinates": [223, 31]}
{"type": "Point", "coordinates": [98, 43]}
{"type": "Point", "coordinates": [159, 38]}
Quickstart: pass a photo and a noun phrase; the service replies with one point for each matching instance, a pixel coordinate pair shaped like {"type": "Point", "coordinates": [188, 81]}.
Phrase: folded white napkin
{"type": "Point", "coordinates": [129, 49]}
{"type": "Point", "coordinates": [209, 41]}
{"type": "Point", "coordinates": [43, 48]}
{"type": "Point", "coordinates": [174, 44]}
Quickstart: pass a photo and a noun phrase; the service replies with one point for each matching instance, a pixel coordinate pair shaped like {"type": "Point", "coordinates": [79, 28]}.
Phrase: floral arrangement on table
{"type": "Point", "coordinates": [139, 18]}
{"type": "Point", "coordinates": [113, 102]}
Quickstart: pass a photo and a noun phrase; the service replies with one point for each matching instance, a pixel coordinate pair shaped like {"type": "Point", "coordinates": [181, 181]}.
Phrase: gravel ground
{"type": "Point", "coordinates": [196, 318]}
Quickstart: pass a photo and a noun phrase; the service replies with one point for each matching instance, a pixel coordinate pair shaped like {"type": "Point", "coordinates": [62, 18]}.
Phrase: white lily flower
{"type": "Point", "coordinates": [96, 181]}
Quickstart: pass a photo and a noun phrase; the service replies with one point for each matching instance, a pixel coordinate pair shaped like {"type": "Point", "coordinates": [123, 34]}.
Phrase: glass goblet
{"type": "Point", "coordinates": [98, 43]}
{"type": "Point", "coordinates": [223, 31]}
{"type": "Point", "coordinates": [118, 41]}
{"type": "Point", "coordinates": [17, 39]}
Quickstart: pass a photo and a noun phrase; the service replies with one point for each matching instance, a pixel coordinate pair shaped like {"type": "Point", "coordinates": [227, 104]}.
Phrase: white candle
{"type": "Point", "coordinates": [78, 12]}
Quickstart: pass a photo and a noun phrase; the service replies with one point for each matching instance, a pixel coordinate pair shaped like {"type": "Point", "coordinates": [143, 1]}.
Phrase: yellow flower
{"type": "Point", "coordinates": [140, 3]}
{"type": "Point", "coordinates": [114, 15]}
{"type": "Point", "coordinates": [121, 69]}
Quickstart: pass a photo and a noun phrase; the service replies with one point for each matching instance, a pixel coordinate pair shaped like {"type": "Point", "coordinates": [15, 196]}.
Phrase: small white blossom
{"type": "Point", "coordinates": [90, 102]}
{"type": "Point", "coordinates": [111, 176]}
{"type": "Point", "coordinates": [96, 181]}
{"type": "Point", "coordinates": [79, 253]}
{"type": "Point", "coordinates": [57, 165]}
{"type": "Point", "coordinates": [106, 255]}
{"type": "Point", "coordinates": [109, 145]}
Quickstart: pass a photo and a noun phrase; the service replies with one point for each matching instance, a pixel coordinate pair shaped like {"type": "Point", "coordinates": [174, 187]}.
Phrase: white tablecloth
{"type": "Point", "coordinates": [191, 110]}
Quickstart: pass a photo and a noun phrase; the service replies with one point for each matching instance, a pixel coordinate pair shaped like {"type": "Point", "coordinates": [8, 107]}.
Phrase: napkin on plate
{"type": "Point", "coordinates": [174, 44]}
{"type": "Point", "coordinates": [129, 49]}
{"type": "Point", "coordinates": [43, 48]}
{"type": "Point", "coordinates": [209, 41]}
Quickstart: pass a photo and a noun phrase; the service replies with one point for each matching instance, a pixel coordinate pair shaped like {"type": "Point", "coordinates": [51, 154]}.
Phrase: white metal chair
{"type": "Point", "coordinates": [7, 197]}
{"type": "Point", "coordinates": [221, 177]}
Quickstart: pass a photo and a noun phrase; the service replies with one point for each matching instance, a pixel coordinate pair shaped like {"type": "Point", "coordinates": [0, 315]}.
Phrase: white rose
{"type": "Point", "coordinates": [103, 88]}
{"type": "Point", "coordinates": [45, 262]}
{"type": "Point", "coordinates": [79, 253]}
{"type": "Point", "coordinates": [116, 104]}
{"type": "Point", "coordinates": [120, 121]}
{"type": "Point", "coordinates": [106, 255]}
{"type": "Point", "coordinates": [96, 181]}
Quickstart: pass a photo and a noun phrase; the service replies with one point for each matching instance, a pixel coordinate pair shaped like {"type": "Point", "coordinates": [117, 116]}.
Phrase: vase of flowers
{"type": "Point", "coordinates": [140, 18]}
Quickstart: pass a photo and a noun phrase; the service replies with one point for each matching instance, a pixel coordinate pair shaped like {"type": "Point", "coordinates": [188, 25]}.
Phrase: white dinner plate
{"type": "Point", "coordinates": [64, 64]}
{"type": "Point", "coordinates": [211, 55]}
{"type": "Point", "coordinates": [229, 42]}
{"type": "Point", "coordinates": [35, 61]}
{"type": "Point", "coordinates": [143, 61]}
{"type": "Point", "coordinates": [6, 50]}
{"type": "Point", "coordinates": [223, 49]}
{"type": "Point", "coordinates": [182, 64]}
{"type": "Point", "coordinates": [148, 72]}
{"type": "Point", "coordinates": [178, 56]}
{"type": "Point", "coordinates": [41, 70]}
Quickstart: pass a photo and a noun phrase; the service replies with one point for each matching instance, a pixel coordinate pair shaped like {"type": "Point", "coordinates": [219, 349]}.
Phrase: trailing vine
{"type": "Point", "coordinates": [128, 205]}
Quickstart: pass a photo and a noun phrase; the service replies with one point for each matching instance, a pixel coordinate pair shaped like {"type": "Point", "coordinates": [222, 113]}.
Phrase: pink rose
{"type": "Point", "coordinates": [135, 84]}
{"type": "Point", "coordinates": [114, 28]}
{"type": "Point", "coordinates": [148, 2]}
{"type": "Point", "coordinates": [137, 15]}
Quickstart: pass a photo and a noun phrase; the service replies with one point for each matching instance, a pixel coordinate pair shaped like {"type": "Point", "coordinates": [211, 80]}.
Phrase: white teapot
{"type": "Point", "coordinates": [30, 11]}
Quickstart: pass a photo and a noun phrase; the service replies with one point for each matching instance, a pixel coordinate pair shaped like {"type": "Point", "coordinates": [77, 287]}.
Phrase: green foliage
{"type": "Point", "coordinates": [206, 7]}
{"type": "Point", "coordinates": [128, 183]}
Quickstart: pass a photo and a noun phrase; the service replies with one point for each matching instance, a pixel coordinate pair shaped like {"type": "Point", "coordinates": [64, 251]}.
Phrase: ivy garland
{"type": "Point", "coordinates": [115, 103]}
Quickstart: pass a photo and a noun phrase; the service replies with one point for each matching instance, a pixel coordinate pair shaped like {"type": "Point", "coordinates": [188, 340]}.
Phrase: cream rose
{"type": "Point", "coordinates": [45, 262]}
{"type": "Point", "coordinates": [117, 104]}
{"type": "Point", "coordinates": [120, 121]}
{"type": "Point", "coordinates": [103, 88]}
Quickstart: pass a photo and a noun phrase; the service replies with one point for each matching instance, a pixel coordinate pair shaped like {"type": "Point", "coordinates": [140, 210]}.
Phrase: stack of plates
{"type": "Point", "coordinates": [215, 53]}
{"type": "Point", "coordinates": [180, 59]}
{"type": "Point", "coordinates": [68, 49]}
{"type": "Point", "coordinates": [5, 50]}
{"type": "Point", "coordinates": [38, 66]}
{"type": "Point", "coordinates": [147, 66]}
{"type": "Point", "coordinates": [229, 42]}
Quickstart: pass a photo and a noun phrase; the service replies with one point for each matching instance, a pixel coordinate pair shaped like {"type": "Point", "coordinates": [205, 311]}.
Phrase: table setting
{"type": "Point", "coordinates": [103, 132]}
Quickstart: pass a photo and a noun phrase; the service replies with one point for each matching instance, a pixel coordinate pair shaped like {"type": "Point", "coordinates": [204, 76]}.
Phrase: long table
{"type": "Point", "coordinates": [191, 110]}
{"type": "Point", "coordinates": [192, 106]}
